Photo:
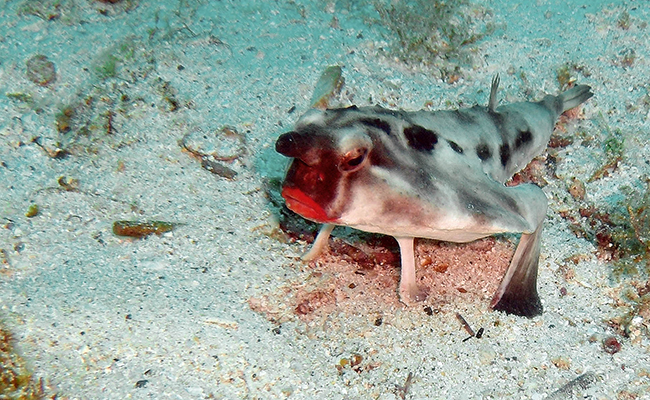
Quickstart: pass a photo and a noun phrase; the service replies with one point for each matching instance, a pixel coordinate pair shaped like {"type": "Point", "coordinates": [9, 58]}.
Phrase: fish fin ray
{"type": "Point", "coordinates": [409, 291]}
{"type": "Point", "coordinates": [493, 102]}
{"type": "Point", "coordinates": [517, 293]}
{"type": "Point", "coordinates": [320, 243]}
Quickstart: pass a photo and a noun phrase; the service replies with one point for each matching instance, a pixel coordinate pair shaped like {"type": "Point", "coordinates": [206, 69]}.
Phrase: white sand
{"type": "Point", "coordinates": [94, 313]}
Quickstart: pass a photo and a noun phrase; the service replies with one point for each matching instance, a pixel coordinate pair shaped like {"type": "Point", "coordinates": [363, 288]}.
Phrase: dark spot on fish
{"type": "Point", "coordinates": [455, 147]}
{"type": "Point", "coordinates": [523, 138]}
{"type": "Point", "coordinates": [498, 122]}
{"type": "Point", "coordinates": [420, 138]}
{"type": "Point", "coordinates": [377, 123]}
{"type": "Point", "coordinates": [504, 153]}
{"type": "Point", "coordinates": [483, 152]}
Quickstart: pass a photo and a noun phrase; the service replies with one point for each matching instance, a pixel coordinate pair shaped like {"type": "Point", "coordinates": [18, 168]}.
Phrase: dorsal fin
{"type": "Point", "coordinates": [492, 104]}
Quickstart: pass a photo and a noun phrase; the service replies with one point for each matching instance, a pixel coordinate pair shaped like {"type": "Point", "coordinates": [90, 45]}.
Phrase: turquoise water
{"type": "Point", "coordinates": [94, 100]}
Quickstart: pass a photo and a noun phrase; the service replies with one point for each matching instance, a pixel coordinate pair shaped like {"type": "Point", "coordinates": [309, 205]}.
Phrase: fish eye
{"type": "Point", "coordinates": [353, 159]}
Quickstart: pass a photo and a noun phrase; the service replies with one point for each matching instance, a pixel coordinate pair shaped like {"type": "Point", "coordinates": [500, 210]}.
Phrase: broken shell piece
{"type": "Point", "coordinates": [226, 144]}
{"type": "Point", "coordinates": [230, 144]}
{"type": "Point", "coordinates": [329, 85]}
{"type": "Point", "coordinates": [217, 168]}
{"type": "Point", "coordinates": [68, 184]}
{"type": "Point", "coordinates": [51, 149]}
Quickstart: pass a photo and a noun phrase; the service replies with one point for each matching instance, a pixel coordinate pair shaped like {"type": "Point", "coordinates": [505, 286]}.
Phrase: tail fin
{"type": "Point", "coordinates": [574, 97]}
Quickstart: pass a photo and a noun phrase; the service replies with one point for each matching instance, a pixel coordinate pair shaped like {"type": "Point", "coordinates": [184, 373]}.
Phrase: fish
{"type": "Point", "coordinates": [428, 174]}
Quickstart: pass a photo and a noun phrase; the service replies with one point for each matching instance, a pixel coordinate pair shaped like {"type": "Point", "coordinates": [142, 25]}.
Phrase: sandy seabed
{"type": "Point", "coordinates": [221, 306]}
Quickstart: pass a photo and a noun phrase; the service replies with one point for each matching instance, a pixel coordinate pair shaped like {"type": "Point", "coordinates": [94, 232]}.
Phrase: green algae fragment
{"type": "Point", "coordinates": [628, 233]}
{"type": "Point", "coordinates": [21, 97]}
{"type": "Point", "coordinates": [639, 211]}
{"type": "Point", "coordinates": [614, 144]}
{"type": "Point", "coordinates": [32, 211]}
{"type": "Point", "coordinates": [613, 147]}
{"type": "Point", "coordinates": [108, 61]}
{"type": "Point", "coordinates": [107, 66]}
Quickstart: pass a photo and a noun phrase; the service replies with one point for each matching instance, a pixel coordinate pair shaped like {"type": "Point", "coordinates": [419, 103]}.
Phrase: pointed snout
{"type": "Point", "coordinates": [307, 146]}
{"type": "Point", "coordinates": [290, 144]}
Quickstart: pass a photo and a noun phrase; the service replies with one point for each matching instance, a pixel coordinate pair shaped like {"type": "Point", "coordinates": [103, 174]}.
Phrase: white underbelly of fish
{"type": "Point", "coordinates": [409, 217]}
{"type": "Point", "coordinates": [447, 235]}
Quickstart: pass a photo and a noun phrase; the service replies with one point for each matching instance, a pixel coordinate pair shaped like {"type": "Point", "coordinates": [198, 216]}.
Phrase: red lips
{"type": "Point", "coordinates": [301, 204]}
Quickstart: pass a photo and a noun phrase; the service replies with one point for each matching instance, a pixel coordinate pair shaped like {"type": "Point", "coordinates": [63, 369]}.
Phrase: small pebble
{"type": "Point", "coordinates": [142, 383]}
{"type": "Point", "coordinates": [32, 211]}
{"type": "Point", "coordinates": [611, 345]}
{"type": "Point", "coordinates": [356, 360]}
{"type": "Point", "coordinates": [577, 189]}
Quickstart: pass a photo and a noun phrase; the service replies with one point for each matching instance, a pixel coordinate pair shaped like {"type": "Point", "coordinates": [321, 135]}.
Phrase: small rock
{"type": "Point", "coordinates": [611, 345]}
{"type": "Point", "coordinates": [142, 383]}
{"type": "Point", "coordinates": [577, 189]}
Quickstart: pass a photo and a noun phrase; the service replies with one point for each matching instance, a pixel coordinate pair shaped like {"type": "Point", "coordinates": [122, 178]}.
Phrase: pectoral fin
{"type": "Point", "coordinates": [517, 293]}
{"type": "Point", "coordinates": [409, 291]}
{"type": "Point", "coordinates": [320, 244]}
